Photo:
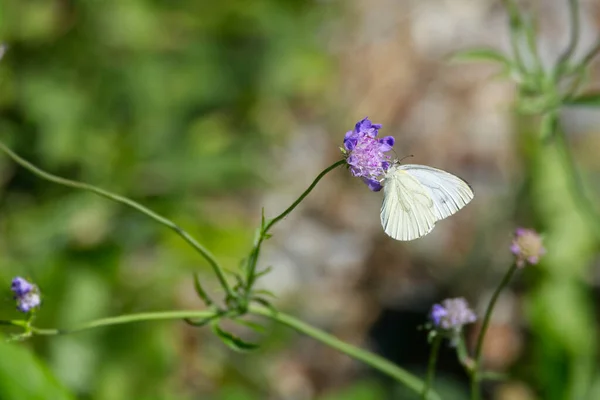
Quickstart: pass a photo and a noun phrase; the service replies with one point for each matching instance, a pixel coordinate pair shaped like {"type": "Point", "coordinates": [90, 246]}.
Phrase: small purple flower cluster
{"type": "Point", "coordinates": [527, 247]}
{"type": "Point", "coordinates": [365, 153]}
{"type": "Point", "coordinates": [452, 314]}
{"type": "Point", "coordinates": [27, 294]}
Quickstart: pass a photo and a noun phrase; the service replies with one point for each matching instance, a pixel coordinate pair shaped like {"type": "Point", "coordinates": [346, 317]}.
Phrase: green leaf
{"type": "Point", "coordinates": [263, 272]}
{"type": "Point", "coordinates": [232, 341]}
{"type": "Point", "coordinates": [23, 376]}
{"type": "Point", "coordinates": [200, 291]}
{"type": "Point", "coordinates": [591, 99]}
{"type": "Point", "coordinates": [480, 55]}
{"type": "Point", "coordinates": [265, 293]}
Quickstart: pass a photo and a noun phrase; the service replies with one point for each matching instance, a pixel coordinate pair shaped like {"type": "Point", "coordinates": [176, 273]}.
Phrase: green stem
{"type": "Point", "coordinates": [581, 68]}
{"type": "Point", "coordinates": [130, 203]}
{"type": "Point", "coordinates": [591, 54]}
{"type": "Point", "coordinates": [373, 360]}
{"type": "Point", "coordinates": [303, 195]}
{"type": "Point", "coordinates": [475, 376]}
{"type": "Point", "coordinates": [573, 37]}
{"type": "Point", "coordinates": [125, 319]}
{"type": "Point", "coordinates": [515, 26]}
{"type": "Point", "coordinates": [435, 348]}
{"type": "Point", "coordinates": [262, 235]}
{"type": "Point", "coordinates": [463, 354]}
{"type": "Point", "coordinates": [585, 206]}
{"type": "Point", "coordinates": [530, 36]}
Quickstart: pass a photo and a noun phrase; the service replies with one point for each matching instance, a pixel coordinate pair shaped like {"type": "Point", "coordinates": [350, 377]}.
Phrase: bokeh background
{"type": "Point", "coordinates": [207, 111]}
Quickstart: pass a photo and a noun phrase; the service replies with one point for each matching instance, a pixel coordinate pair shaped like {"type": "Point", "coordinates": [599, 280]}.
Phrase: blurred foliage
{"type": "Point", "coordinates": [174, 104]}
{"type": "Point", "coordinates": [23, 376]}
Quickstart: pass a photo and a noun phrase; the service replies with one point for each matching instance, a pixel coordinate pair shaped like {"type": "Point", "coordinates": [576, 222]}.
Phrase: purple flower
{"type": "Point", "coordinates": [452, 314]}
{"type": "Point", "coordinates": [28, 302]}
{"type": "Point", "coordinates": [527, 247]}
{"type": "Point", "coordinates": [20, 286]}
{"type": "Point", "coordinates": [27, 294]}
{"type": "Point", "coordinates": [365, 153]}
{"type": "Point", "coordinates": [437, 313]}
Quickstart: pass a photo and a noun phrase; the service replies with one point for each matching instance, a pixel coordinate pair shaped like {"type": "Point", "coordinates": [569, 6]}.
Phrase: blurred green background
{"type": "Point", "coordinates": [207, 111]}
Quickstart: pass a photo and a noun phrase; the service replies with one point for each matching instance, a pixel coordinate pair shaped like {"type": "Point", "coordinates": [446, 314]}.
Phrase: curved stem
{"type": "Point", "coordinates": [130, 203]}
{"type": "Point", "coordinates": [593, 52]}
{"type": "Point", "coordinates": [435, 348]}
{"type": "Point", "coordinates": [303, 195]}
{"type": "Point", "coordinates": [475, 376]}
{"type": "Point", "coordinates": [373, 360]}
{"type": "Point", "coordinates": [125, 319]}
{"type": "Point", "coordinates": [264, 231]}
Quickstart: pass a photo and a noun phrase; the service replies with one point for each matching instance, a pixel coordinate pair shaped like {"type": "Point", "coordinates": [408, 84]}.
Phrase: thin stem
{"type": "Point", "coordinates": [475, 377]}
{"type": "Point", "coordinates": [373, 360]}
{"type": "Point", "coordinates": [463, 354]}
{"type": "Point", "coordinates": [435, 348]}
{"type": "Point", "coordinates": [593, 52]}
{"type": "Point", "coordinates": [130, 203]}
{"type": "Point", "coordinates": [515, 25]}
{"type": "Point", "coordinates": [530, 36]}
{"type": "Point", "coordinates": [263, 233]}
{"type": "Point", "coordinates": [581, 69]}
{"type": "Point", "coordinates": [573, 36]}
{"type": "Point", "coordinates": [303, 195]}
{"type": "Point", "coordinates": [125, 319]}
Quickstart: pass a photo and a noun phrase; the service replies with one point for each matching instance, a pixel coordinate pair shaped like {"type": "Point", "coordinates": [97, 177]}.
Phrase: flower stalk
{"type": "Point", "coordinates": [476, 376]}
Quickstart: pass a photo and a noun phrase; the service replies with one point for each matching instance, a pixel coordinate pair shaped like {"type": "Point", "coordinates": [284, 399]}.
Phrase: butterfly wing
{"type": "Point", "coordinates": [408, 210]}
{"type": "Point", "coordinates": [448, 192]}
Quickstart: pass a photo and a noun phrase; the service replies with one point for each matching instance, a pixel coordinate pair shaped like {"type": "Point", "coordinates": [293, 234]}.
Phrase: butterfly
{"type": "Point", "coordinates": [418, 196]}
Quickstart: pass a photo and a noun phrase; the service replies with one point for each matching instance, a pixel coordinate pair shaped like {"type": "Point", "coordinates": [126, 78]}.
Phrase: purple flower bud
{"type": "Point", "coordinates": [452, 314]}
{"type": "Point", "coordinates": [27, 294]}
{"type": "Point", "coordinates": [20, 286]}
{"type": "Point", "coordinates": [527, 247]}
{"type": "Point", "coordinates": [365, 153]}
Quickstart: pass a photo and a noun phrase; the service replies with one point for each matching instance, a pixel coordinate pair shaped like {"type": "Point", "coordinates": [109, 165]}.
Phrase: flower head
{"type": "Point", "coordinates": [527, 247]}
{"type": "Point", "coordinates": [27, 294]}
{"type": "Point", "coordinates": [452, 314]}
{"type": "Point", "coordinates": [365, 153]}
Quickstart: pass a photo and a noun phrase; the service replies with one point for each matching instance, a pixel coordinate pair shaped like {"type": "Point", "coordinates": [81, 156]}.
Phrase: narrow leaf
{"type": "Point", "coordinates": [232, 341]}
{"type": "Point", "coordinates": [201, 292]}
{"type": "Point", "coordinates": [265, 293]}
{"type": "Point", "coordinates": [263, 272]}
{"type": "Point", "coordinates": [480, 55]}
{"type": "Point", "coordinates": [585, 100]}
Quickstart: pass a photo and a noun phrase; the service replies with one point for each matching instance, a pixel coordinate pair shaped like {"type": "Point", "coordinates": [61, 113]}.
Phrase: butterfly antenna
{"type": "Point", "coordinates": [408, 156]}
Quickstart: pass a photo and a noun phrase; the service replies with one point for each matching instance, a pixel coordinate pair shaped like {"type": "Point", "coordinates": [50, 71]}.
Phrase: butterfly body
{"type": "Point", "coordinates": [417, 196]}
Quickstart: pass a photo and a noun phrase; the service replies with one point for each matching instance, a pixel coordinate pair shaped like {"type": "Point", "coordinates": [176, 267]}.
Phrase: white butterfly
{"type": "Point", "coordinates": [417, 196]}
